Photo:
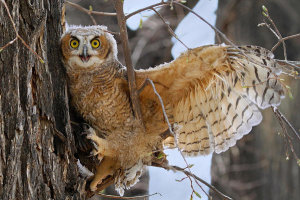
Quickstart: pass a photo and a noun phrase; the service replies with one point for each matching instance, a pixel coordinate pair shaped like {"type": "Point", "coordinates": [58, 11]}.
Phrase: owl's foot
{"type": "Point", "coordinates": [107, 167]}
{"type": "Point", "coordinates": [101, 146]}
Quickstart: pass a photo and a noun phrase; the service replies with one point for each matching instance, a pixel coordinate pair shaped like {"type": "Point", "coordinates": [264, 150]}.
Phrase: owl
{"type": "Point", "coordinates": [212, 96]}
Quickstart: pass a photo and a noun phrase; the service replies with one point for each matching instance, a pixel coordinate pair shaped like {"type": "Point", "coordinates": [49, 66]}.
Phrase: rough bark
{"type": "Point", "coordinates": [34, 162]}
{"type": "Point", "coordinates": [257, 167]}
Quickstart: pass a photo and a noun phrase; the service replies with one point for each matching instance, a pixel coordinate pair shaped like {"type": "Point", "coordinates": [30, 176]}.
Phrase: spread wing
{"type": "Point", "coordinates": [212, 95]}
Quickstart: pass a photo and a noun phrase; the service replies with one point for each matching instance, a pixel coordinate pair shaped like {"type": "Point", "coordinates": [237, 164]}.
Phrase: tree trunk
{"type": "Point", "coordinates": [257, 167]}
{"type": "Point", "coordinates": [34, 162]}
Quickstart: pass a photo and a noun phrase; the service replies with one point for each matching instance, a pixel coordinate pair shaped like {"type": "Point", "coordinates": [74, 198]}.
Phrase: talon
{"type": "Point", "coordinates": [86, 126]}
{"type": "Point", "coordinates": [107, 167]}
{"type": "Point", "coordinates": [95, 145]}
{"type": "Point", "coordinates": [93, 153]}
{"type": "Point", "coordinates": [84, 133]}
{"type": "Point", "coordinates": [100, 145]}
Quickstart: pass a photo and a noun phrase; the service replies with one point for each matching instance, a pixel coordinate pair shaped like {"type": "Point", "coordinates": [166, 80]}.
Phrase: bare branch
{"type": "Point", "coordinates": [17, 35]}
{"type": "Point", "coordinates": [189, 174]}
{"type": "Point", "coordinates": [146, 8]}
{"type": "Point", "coordinates": [294, 64]}
{"type": "Point", "coordinates": [169, 28]}
{"type": "Point", "coordinates": [282, 119]}
{"type": "Point", "coordinates": [89, 12]}
{"type": "Point", "coordinates": [274, 30]}
{"type": "Point", "coordinates": [9, 43]}
{"type": "Point", "coordinates": [175, 141]}
{"type": "Point", "coordinates": [283, 39]}
{"type": "Point", "coordinates": [223, 196]}
{"type": "Point", "coordinates": [135, 197]}
{"type": "Point", "coordinates": [162, 105]}
{"type": "Point", "coordinates": [127, 54]}
{"type": "Point", "coordinates": [279, 114]}
{"type": "Point", "coordinates": [280, 37]}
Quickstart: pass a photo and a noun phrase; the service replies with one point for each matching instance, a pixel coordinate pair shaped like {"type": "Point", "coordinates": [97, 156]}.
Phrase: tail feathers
{"type": "Point", "coordinates": [128, 178]}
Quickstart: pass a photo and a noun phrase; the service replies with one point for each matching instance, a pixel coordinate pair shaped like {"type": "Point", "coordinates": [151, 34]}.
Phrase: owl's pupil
{"type": "Point", "coordinates": [95, 43]}
{"type": "Point", "coordinates": [74, 43]}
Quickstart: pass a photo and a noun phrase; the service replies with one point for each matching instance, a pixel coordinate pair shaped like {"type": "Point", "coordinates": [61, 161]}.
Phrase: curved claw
{"type": "Point", "coordinates": [108, 166]}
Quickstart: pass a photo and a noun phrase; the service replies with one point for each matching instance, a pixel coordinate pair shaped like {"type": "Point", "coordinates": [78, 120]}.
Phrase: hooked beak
{"type": "Point", "coordinates": [85, 56]}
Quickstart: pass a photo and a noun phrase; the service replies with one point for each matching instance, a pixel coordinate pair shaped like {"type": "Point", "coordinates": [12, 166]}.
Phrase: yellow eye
{"type": "Point", "coordinates": [95, 43]}
{"type": "Point", "coordinates": [74, 43]}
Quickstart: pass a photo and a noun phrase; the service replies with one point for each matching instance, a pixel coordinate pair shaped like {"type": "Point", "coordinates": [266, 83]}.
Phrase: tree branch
{"type": "Point", "coordinates": [169, 28]}
{"type": "Point", "coordinates": [135, 197]}
{"type": "Point", "coordinates": [189, 174]}
{"type": "Point", "coordinates": [280, 115]}
{"type": "Point", "coordinates": [18, 36]}
{"type": "Point", "coordinates": [276, 31]}
{"type": "Point", "coordinates": [127, 54]}
{"type": "Point", "coordinates": [283, 39]}
{"type": "Point", "coordinates": [282, 119]}
{"type": "Point", "coordinates": [89, 12]}
{"type": "Point", "coordinates": [146, 8]}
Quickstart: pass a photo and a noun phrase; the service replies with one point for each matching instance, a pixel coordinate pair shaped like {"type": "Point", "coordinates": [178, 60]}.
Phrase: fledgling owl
{"type": "Point", "coordinates": [212, 95]}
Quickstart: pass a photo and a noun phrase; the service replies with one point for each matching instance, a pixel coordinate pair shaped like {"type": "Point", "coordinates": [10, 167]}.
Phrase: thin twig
{"type": "Point", "coordinates": [293, 64]}
{"type": "Point", "coordinates": [135, 197]}
{"type": "Point", "coordinates": [282, 119]}
{"type": "Point", "coordinates": [127, 54]}
{"type": "Point", "coordinates": [190, 174]}
{"type": "Point", "coordinates": [162, 105]}
{"type": "Point", "coordinates": [17, 35]}
{"type": "Point", "coordinates": [284, 39]}
{"type": "Point", "coordinates": [223, 196]}
{"type": "Point", "coordinates": [275, 31]}
{"type": "Point", "coordinates": [172, 132]}
{"type": "Point", "coordinates": [93, 19]}
{"type": "Point", "coordinates": [276, 111]}
{"type": "Point", "coordinates": [285, 134]}
{"type": "Point", "coordinates": [89, 12]}
{"type": "Point", "coordinates": [277, 35]}
{"type": "Point", "coordinates": [146, 8]}
{"type": "Point", "coordinates": [7, 44]}
{"type": "Point", "coordinates": [169, 28]}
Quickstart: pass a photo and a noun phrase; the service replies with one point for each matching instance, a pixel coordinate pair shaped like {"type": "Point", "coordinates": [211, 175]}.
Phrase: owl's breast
{"type": "Point", "coordinates": [104, 103]}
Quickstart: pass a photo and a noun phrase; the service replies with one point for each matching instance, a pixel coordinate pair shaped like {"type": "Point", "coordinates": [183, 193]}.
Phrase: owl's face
{"type": "Point", "coordinates": [87, 46]}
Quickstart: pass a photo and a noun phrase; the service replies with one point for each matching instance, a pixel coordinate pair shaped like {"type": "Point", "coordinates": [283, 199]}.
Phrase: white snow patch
{"type": "Point", "coordinates": [133, 5]}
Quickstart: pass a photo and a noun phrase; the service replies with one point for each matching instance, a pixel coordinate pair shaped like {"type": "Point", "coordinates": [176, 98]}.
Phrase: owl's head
{"type": "Point", "coordinates": [87, 46]}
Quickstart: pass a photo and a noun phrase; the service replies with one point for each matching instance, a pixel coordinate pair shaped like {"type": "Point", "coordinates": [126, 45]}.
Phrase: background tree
{"type": "Point", "coordinates": [37, 146]}
{"type": "Point", "coordinates": [259, 166]}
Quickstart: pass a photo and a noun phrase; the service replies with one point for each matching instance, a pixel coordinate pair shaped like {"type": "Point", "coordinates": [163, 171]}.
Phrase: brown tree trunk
{"type": "Point", "coordinates": [257, 167]}
{"type": "Point", "coordinates": [34, 162]}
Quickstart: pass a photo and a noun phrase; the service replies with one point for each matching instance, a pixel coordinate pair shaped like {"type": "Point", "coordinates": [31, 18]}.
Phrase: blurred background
{"type": "Point", "coordinates": [261, 165]}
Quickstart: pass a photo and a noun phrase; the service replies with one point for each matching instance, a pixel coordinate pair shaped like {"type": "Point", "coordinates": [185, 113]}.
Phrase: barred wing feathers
{"type": "Point", "coordinates": [212, 95]}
